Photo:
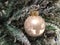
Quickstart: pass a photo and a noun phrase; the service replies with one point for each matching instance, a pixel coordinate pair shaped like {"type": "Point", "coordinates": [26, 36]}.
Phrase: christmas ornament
{"type": "Point", "coordinates": [34, 25]}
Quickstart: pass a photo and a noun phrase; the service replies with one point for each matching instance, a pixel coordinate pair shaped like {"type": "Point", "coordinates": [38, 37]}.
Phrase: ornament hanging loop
{"type": "Point", "coordinates": [34, 10]}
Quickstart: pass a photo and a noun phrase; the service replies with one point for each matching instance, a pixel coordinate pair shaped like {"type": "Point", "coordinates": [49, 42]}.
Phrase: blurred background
{"type": "Point", "coordinates": [13, 13]}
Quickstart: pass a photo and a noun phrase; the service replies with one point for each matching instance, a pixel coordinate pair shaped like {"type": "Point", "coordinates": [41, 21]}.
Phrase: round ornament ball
{"type": "Point", "coordinates": [34, 25]}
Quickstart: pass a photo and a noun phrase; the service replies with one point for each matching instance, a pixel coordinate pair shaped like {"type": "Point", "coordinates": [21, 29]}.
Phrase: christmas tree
{"type": "Point", "coordinates": [13, 14]}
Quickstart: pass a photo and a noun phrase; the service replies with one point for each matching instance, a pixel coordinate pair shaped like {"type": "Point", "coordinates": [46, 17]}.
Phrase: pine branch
{"type": "Point", "coordinates": [18, 34]}
{"type": "Point", "coordinates": [10, 8]}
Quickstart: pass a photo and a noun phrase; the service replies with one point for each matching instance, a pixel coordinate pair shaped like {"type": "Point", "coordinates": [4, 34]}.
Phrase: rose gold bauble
{"type": "Point", "coordinates": [34, 26]}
